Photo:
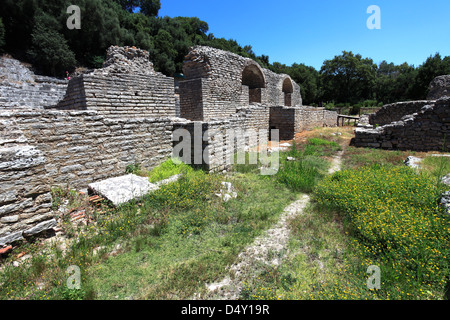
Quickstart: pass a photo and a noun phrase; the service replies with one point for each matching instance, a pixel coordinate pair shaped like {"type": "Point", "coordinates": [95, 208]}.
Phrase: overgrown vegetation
{"type": "Point", "coordinates": [166, 246]}
{"type": "Point", "coordinates": [169, 168]}
{"type": "Point", "coordinates": [169, 244]}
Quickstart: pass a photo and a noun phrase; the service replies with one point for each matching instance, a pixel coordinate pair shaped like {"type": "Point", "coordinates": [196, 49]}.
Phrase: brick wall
{"type": "Point", "coordinates": [296, 119]}
{"type": "Point", "coordinates": [215, 142]}
{"type": "Point", "coordinates": [231, 81]}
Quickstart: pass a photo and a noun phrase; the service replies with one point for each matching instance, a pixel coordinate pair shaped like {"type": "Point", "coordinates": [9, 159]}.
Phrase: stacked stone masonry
{"type": "Point", "coordinates": [49, 148]}
{"type": "Point", "coordinates": [425, 130]}
{"type": "Point", "coordinates": [229, 81]}
{"type": "Point", "coordinates": [125, 113]}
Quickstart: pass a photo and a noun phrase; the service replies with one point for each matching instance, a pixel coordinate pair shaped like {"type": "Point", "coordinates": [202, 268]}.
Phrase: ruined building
{"type": "Point", "coordinates": [413, 125]}
{"type": "Point", "coordinates": [72, 134]}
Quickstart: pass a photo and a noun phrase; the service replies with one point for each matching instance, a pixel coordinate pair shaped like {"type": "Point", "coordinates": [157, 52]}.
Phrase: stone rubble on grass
{"type": "Point", "coordinates": [413, 162]}
{"type": "Point", "coordinates": [227, 193]}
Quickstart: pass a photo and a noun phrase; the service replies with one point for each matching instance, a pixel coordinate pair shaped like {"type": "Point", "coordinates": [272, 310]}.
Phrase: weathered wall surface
{"type": "Point", "coordinates": [121, 95]}
{"type": "Point", "coordinates": [395, 111]}
{"type": "Point", "coordinates": [294, 120]}
{"type": "Point", "coordinates": [231, 81]}
{"type": "Point", "coordinates": [21, 88]}
{"type": "Point", "coordinates": [74, 148]}
{"type": "Point", "coordinates": [191, 99]}
{"type": "Point", "coordinates": [439, 87]}
{"type": "Point", "coordinates": [223, 138]}
{"type": "Point", "coordinates": [127, 86]}
{"type": "Point", "coordinates": [422, 131]}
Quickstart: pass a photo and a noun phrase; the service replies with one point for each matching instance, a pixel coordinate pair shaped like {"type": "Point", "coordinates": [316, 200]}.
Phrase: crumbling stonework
{"type": "Point", "coordinates": [396, 111]}
{"type": "Point", "coordinates": [425, 130]}
{"type": "Point", "coordinates": [413, 125]}
{"type": "Point", "coordinates": [290, 121]}
{"type": "Point", "coordinates": [214, 143]}
{"type": "Point", "coordinates": [439, 87]}
{"type": "Point", "coordinates": [127, 86]}
{"type": "Point", "coordinates": [21, 88]}
{"type": "Point", "coordinates": [218, 82]}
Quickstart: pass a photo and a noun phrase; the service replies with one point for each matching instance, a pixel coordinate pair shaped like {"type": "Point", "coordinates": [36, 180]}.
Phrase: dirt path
{"type": "Point", "coordinates": [267, 250]}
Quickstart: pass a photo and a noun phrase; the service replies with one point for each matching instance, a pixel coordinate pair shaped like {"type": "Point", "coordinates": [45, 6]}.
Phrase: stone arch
{"type": "Point", "coordinates": [288, 89]}
{"type": "Point", "coordinates": [253, 78]}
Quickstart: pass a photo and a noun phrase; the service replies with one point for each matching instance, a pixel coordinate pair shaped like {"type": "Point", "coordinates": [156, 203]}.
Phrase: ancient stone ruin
{"type": "Point", "coordinates": [91, 128]}
{"type": "Point", "coordinates": [413, 125]}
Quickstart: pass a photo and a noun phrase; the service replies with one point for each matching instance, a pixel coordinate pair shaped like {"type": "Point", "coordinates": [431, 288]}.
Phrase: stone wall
{"type": "Point", "coordinates": [231, 81]}
{"type": "Point", "coordinates": [213, 143]}
{"type": "Point", "coordinates": [121, 95]}
{"type": "Point", "coordinates": [395, 111]}
{"type": "Point", "coordinates": [191, 101]}
{"type": "Point", "coordinates": [21, 88]}
{"type": "Point", "coordinates": [47, 148]}
{"type": "Point", "coordinates": [439, 87]}
{"type": "Point", "coordinates": [423, 131]}
{"type": "Point", "coordinates": [297, 119]}
{"type": "Point", "coordinates": [127, 86]}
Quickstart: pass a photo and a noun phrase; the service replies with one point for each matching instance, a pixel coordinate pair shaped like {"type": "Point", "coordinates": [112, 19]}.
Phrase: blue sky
{"type": "Point", "coordinates": [312, 31]}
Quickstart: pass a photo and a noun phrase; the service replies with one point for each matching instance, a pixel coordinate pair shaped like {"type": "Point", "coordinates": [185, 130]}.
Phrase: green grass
{"type": "Point", "coordinates": [308, 168]}
{"type": "Point", "coordinates": [171, 242]}
{"type": "Point", "coordinates": [167, 169]}
{"type": "Point", "coordinates": [397, 224]}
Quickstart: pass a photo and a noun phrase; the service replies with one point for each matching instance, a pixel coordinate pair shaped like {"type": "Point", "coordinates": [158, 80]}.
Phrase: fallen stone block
{"type": "Point", "coordinates": [120, 190]}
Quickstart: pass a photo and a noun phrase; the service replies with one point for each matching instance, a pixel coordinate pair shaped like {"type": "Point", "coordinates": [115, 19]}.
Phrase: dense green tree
{"type": "Point", "coordinates": [394, 83]}
{"type": "Point", "coordinates": [308, 79]}
{"type": "Point", "coordinates": [434, 66]}
{"type": "Point", "coordinates": [49, 50]}
{"type": "Point", "coordinates": [147, 7]}
{"type": "Point", "coordinates": [348, 78]}
{"type": "Point", "coordinates": [2, 35]}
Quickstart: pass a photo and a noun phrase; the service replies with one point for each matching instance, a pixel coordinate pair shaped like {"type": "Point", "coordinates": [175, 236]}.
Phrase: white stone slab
{"type": "Point", "coordinates": [122, 189]}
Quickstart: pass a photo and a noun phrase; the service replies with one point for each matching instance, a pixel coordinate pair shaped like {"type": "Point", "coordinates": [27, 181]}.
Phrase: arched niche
{"type": "Point", "coordinates": [253, 78]}
{"type": "Point", "coordinates": [288, 89]}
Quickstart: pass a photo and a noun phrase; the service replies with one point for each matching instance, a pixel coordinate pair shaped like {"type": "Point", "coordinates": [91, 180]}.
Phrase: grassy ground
{"type": "Point", "coordinates": [376, 212]}
{"type": "Point", "coordinates": [167, 246]}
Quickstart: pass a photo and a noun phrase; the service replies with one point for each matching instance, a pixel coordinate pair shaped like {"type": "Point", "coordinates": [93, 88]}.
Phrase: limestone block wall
{"type": "Point", "coordinates": [47, 148]}
{"type": "Point", "coordinates": [121, 95]}
{"type": "Point", "coordinates": [25, 199]}
{"type": "Point", "coordinates": [217, 141]}
{"type": "Point", "coordinates": [231, 81]}
{"type": "Point", "coordinates": [21, 88]}
{"type": "Point", "coordinates": [439, 87]}
{"type": "Point", "coordinates": [191, 99]}
{"type": "Point", "coordinates": [291, 120]}
{"type": "Point", "coordinates": [422, 131]}
{"type": "Point", "coordinates": [395, 111]}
